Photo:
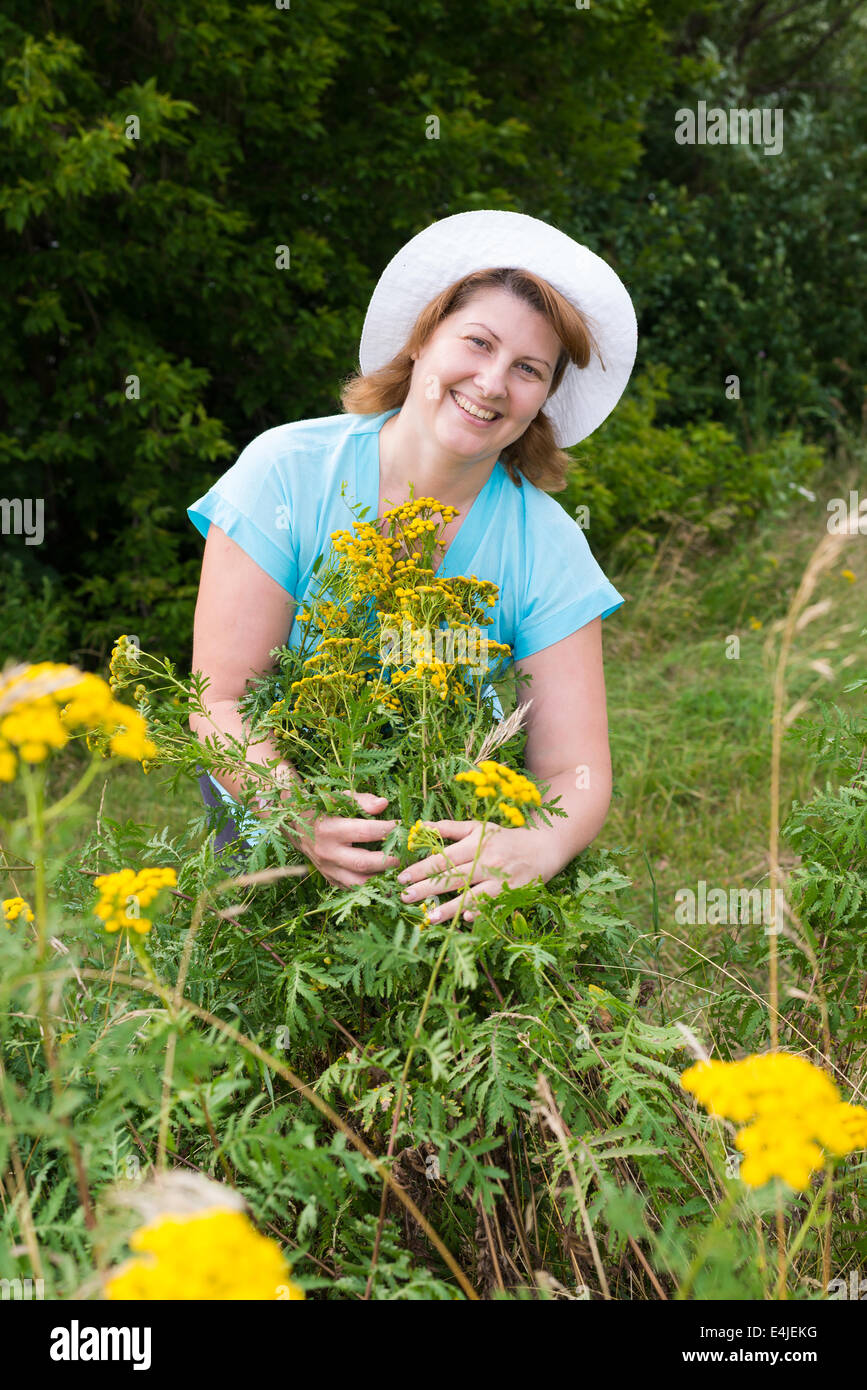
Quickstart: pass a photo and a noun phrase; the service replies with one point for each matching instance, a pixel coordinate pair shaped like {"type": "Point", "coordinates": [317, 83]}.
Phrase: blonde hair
{"type": "Point", "coordinates": [535, 453]}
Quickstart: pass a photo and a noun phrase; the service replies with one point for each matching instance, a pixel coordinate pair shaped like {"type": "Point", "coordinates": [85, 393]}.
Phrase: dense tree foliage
{"type": "Point", "coordinates": [155, 161]}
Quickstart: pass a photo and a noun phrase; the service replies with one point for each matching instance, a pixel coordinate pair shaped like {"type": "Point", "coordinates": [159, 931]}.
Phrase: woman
{"type": "Point", "coordinates": [492, 341]}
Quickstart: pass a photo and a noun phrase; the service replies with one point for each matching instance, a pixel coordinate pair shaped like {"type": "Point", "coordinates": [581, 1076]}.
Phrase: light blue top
{"type": "Point", "coordinates": [281, 500]}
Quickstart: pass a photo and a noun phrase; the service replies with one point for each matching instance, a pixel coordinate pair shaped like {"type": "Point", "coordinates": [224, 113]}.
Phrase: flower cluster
{"type": "Point", "coordinates": [124, 662]}
{"type": "Point", "coordinates": [368, 559]}
{"type": "Point", "coordinates": [427, 906]}
{"type": "Point", "coordinates": [13, 908]}
{"type": "Point", "coordinates": [210, 1254]}
{"type": "Point", "coordinates": [42, 704]}
{"type": "Point", "coordinates": [790, 1108]}
{"type": "Point", "coordinates": [508, 789]}
{"type": "Point", "coordinates": [328, 615]}
{"type": "Point", "coordinates": [415, 831]}
{"type": "Point", "coordinates": [406, 516]}
{"type": "Point", "coordinates": [117, 891]}
{"type": "Point", "coordinates": [324, 692]}
{"type": "Point", "coordinates": [436, 671]}
{"type": "Point", "coordinates": [409, 528]}
{"type": "Point", "coordinates": [423, 837]}
{"type": "Point", "coordinates": [366, 595]}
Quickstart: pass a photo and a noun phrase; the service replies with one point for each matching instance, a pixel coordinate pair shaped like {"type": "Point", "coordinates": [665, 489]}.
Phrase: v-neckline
{"type": "Point", "coordinates": [472, 527]}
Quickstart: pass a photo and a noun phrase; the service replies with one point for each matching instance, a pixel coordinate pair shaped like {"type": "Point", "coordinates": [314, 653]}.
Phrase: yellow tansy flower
{"type": "Point", "coordinates": [505, 786]}
{"type": "Point", "coordinates": [42, 703]}
{"type": "Point", "coordinates": [13, 908]}
{"type": "Point", "coordinates": [211, 1254]}
{"type": "Point", "coordinates": [118, 891]}
{"type": "Point", "coordinates": [791, 1109]}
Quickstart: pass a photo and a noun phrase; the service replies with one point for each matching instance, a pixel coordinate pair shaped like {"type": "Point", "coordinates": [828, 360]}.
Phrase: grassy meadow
{"type": "Point", "coordinates": [691, 664]}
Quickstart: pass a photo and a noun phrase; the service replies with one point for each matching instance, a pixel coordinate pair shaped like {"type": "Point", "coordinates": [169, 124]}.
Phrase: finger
{"type": "Point", "coordinates": [435, 868]}
{"type": "Point", "coordinates": [364, 830]}
{"type": "Point", "coordinates": [433, 888]}
{"type": "Point", "coordinates": [363, 861]}
{"type": "Point", "coordinates": [368, 801]}
{"type": "Point", "coordinates": [454, 881]}
{"type": "Point", "coordinates": [453, 829]}
{"type": "Point", "coordinates": [346, 879]}
{"type": "Point", "coordinates": [463, 902]}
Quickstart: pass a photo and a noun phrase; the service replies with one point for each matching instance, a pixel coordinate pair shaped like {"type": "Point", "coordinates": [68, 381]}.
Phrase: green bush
{"type": "Point", "coordinates": [37, 614]}
{"type": "Point", "coordinates": [637, 478]}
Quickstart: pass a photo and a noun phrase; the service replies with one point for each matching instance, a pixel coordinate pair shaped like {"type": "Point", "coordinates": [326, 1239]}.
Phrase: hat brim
{"type": "Point", "coordinates": [455, 246]}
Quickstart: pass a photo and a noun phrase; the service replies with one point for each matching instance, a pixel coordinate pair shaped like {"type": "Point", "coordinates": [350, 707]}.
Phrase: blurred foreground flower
{"type": "Point", "coordinates": [197, 1243]}
{"type": "Point", "coordinates": [16, 907]}
{"type": "Point", "coordinates": [42, 704]}
{"type": "Point", "coordinates": [790, 1108]}
{"type": "Point", "coordinates": [212, 1254]}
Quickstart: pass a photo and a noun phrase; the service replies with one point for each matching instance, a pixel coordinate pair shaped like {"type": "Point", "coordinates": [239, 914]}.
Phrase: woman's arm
{"type": "Point", "coordinates": [567, 739]}
{"type": "Point", "coordinates": [241, 615]}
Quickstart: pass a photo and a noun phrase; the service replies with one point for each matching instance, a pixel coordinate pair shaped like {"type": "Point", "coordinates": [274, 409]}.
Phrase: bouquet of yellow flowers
{"type": "Point", "coordinates": [392, 662]}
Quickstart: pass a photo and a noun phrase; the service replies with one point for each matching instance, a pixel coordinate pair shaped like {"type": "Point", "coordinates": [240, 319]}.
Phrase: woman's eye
{"type": "Point", "coordinates": [485, 343]}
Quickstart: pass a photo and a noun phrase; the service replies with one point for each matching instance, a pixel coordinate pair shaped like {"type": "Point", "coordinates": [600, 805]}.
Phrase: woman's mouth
{"type": "Point", "coordinates": [471, 412]}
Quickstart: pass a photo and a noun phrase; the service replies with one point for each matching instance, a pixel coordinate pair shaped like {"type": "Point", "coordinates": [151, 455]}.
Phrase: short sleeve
{"type": "Point", "coordinates": [565, 587]}
{"type": "Point", "coordinates": [251, 502]}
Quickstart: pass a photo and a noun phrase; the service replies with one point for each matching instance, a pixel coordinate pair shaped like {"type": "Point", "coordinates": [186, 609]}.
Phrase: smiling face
{"type": "Point", "coordinates": [497, 355]}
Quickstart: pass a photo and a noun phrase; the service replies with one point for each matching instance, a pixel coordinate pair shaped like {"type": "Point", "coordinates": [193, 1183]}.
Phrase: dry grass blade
{"type": "Point", "coordinates": [262, 876]}
{"type": "Point", "coordinates": [825, 554]}
{"type": "Point", "coordinates": [546, 1108]}
{"type": "Point", "coordinates": [814, 611]}
{"type": "Point", "coordinates": [698, 1051]}
{"type": "Point", "coordinates": [500, 733]}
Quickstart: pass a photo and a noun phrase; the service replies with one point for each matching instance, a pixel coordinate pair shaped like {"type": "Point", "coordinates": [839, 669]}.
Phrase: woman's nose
{"type": "Point", "coordinates": [491, 381]}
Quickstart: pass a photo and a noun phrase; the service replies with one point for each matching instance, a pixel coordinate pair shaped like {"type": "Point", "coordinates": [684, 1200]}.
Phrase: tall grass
{"type": "Point", "coordinates": [707, 770]}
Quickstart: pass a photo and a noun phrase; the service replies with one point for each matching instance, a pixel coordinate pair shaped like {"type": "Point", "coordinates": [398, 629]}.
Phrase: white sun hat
{"type": "Point", "coordinates": [456, 246]}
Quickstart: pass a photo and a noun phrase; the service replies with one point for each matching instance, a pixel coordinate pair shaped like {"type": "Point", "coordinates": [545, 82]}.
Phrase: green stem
{"type": "Point", "coordinates": [34, 794]}
{"type": "Point", "coordinates": [685, 1287]}
{"type": "Point", "coordinates": [143, 959]}
{"type": "Point", "coordinates": [821, 1193]}
{"type": "Point", "coordinates": [431, 982]}
{"type": "Point", "coordinates": [75, 792]}
{"type": "Point", "coordinates": [424, 743]}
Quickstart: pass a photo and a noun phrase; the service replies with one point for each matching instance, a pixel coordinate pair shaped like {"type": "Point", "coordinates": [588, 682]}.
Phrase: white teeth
{"type": "Point", "coordinates": [468, 406]}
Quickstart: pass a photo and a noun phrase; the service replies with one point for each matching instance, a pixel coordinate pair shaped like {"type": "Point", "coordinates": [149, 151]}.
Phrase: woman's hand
{"type": "Point", "coordinates": [329, 843]}
{"type": "Point", "coordinates": [511, 851]}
